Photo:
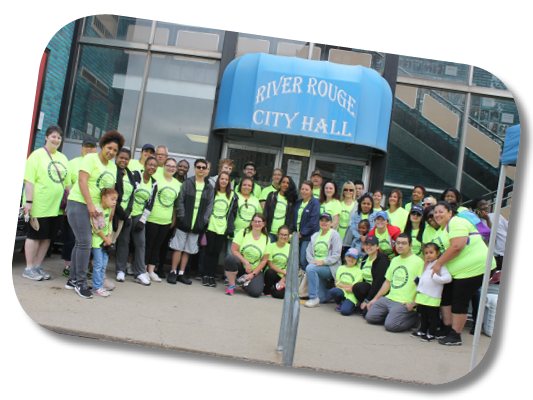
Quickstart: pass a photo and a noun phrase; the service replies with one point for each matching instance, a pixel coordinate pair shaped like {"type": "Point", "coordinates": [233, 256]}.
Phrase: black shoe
{"type": "Point", "coordinates": [205, 281]}
{"type": "Point", "coordinates": [70, 285]}
{"type": "Point", "coordinates": [172, 277]}
{"type": "Point", "coordinates": [183, 279]}
{"type": "Point", "coordinates": [83, 290]}
{"type": "Point", "coordinates": [160, 272]}
{"type": "Point", "coordinates": [443, 331]}
{"type": "Point", "coordinates": [453, 339]}
{"type": "Point", "coordinates": [417, 334]}
{"type": "Point", "coordinates": [427, 338]}
{"type": "Point", "coordinates": [212, 282]}
{"type": "Point", "coordinates": [199, 277]}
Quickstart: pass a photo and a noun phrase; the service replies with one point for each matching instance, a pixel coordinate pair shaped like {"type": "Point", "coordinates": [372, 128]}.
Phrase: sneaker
{"type": "Point", "coordinates": [183, 279]}
{"type": "Point", "coordinates": [102, 292]}
{"type": "Point", "coordinates": [240, 280]}
{"type": "Point", "coordinates": [83, 290]}
{"type": "Point", "coordinates": [443, 331]}
{"type": "Point", "coordinates": [172, 277]}
{"type": "Point", "coordinates": [205, 281]}
{"type": "Point", "coordinates": [212, 282]}
{"type": "Point", "coordinates": [154, 277]}
{"type": "Point", "coordinates": [121, 277]}
{"type": "Point", "coordinates": [43, 273]}
{"type": "Point", "coordinates": [230, 290]}
{"type": "Point", "coordinates": [226, 282]}
{"type": "Point", "coordinates": [199, 276]}
{"type": "Point", "coordinates": [268, 295]}
{"type": "Point", "coordinates": [107, 285]}
{"type": "Point", "coordinates": [417, 334]}
{"type": "Point", "coordinates": [142, 279]}
{"type": "Point", "coordinates": [32, 274]}
{"type": "Point", "coordinates": [66, 272]}
{"type": "Point", "coordinates": [70, 285]}
{"type": "Point", "coordinates": [452, 339]}
{"type": "Point", "coordinates": [427, 338]}
{"type": "Point", "coordinates": [338, 308]}
{"type": "Point", "coordinates": [129, 269]}
{"type": "Point", "coordinates": [314, 302]}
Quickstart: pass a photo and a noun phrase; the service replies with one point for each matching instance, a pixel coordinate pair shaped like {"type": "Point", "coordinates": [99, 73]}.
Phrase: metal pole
{"type": "Point", "coordinates": [462, 145]}
{"type": "Point", "coordinates": [488, 264]}
{"type": "Point", "coordinates": [294, 305]}
{"type": "Point", "coordinates": [311, 49]}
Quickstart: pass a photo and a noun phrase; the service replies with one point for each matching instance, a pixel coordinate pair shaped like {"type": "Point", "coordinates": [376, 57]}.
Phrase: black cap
{"type": "Point", "coordinates": [148, 146]}
{"type": "Point", "coordinates": [316, 172]}
{"type": "Point", "coordinates": [88, 140]}
{"type": "Point", "coordinates": [249, 163]}
{"type": "Point", "coordinates": [417, 209]}
{"type": "Point", "coordinates": [325, 215]}
{"type": "Point", "coordinates": [372, 239]}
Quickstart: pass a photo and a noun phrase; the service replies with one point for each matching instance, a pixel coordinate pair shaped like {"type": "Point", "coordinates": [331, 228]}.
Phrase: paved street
{"type": "Point", "coordinates": [204, 320]}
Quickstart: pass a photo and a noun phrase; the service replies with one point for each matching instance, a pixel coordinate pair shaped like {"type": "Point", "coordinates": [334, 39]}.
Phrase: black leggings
{"type": "Point", "coordinates": [430, 319]}
{"type": "Point", "coordinates": [256, 285]}
{"type": "Point", "coordinates": [214, 246]}
{"type": "Point", "coordinates": [271, 278]}
{"type": "Point", "coordinates": [155, 238]}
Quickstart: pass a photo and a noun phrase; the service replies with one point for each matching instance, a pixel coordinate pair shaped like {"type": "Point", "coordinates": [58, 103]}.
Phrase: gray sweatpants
{"type": "Point", "coordinates": [123, 246]}
{"type": "Point", "coordinates": [395, 316]}
{"type": "Point", "coordinates": [80, 222]}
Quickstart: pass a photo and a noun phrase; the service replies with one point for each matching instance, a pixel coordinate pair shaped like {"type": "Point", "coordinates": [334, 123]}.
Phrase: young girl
{"type": "Point", "coordinates": [362, 228]}
{"type": "Point", "coordinates": [347, 275]}
{"type": "Point", "coordinates": [102, 238]}
{"type": "Point", "coordinates": [277, 265]}
{"type": "Point", "coordinates": [429, 292]}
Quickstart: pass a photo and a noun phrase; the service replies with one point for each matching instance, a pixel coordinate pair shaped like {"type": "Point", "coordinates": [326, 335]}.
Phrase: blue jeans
{"type": "Point", "coordinates": [99, 265]}
{"type": "Point", "coordinates": [303, 252]}
{"type": "Point", "coordinates": [272, 237]}
{"type": "Point", "coordinates": [317, 278]}
{"type": "Point", "coordinates": [347, 307]}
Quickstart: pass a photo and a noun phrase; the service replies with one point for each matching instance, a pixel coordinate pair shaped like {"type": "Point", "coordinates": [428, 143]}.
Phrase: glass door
{"type": "Point", "coordinates": [340, 170]}
{"type": "Point", "coordinates": [266, 159]}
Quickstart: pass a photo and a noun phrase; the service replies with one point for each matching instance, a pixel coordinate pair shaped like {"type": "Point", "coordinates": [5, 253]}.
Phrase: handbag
{"type": "Point", "coordinates": [203, 240]}
{"type": "Point", "coordinates": [63, 204]}
{"type": "Point", "coordinates": [303, 289]}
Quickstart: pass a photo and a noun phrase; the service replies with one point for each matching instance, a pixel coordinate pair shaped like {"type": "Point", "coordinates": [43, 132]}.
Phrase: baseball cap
{"type": "Point", "coordinates": [326, 215]}
{"type": "Point", "coordinates": [382, 214]}
{"type": "Point", "coordinates": [148, 146]}
{"type": "Point", "coordinates": [249, 163]}
{"type": "Point", "coordinates": [317, 172]}
{"type": "Point", "coordinates": [88, 140]}
{"type": "Point", "coordinates": [417, 209]}
{"type": "Point", "coordinates": [372, 239]}
{"type": "Point", "coordinates": [352, 252]}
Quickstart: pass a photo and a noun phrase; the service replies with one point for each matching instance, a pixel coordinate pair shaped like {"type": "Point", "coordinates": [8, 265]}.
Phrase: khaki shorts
{"type": "Point", "coordinates": [184, 241]}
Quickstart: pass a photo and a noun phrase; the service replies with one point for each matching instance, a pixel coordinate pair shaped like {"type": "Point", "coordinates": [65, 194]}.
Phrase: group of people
{"type": "Point", "coordinates": [388, 262]}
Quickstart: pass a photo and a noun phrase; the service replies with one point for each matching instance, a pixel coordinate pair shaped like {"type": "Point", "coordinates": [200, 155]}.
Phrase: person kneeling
{"type": "Point", "coordinates": [347, 276]}
{"type": "Point", "coordinates": [396, 310]}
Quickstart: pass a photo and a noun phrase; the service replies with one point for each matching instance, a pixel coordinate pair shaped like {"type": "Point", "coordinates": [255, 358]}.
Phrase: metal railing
{"type": "Point", "coordinates": [291, 307]}
{"type": "Point", "coordinates": [490, 197]}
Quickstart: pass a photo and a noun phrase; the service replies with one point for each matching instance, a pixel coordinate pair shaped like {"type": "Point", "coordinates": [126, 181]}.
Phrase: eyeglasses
{"type": "Point", "coordinates": [201, 167]}
{"type": "Point", "coordinates": [402, 243]}
{"type": "Point", "coordinates": [257, 222]}
{"type": "Point", "coordinates": [430, 216]}
{"type": "Point", "coordinates": [170, 166]}
{"type": "Point", "coordinates": [348, 190]}
{"type": "Point", "coordinates": [161, 154]}
{"type": "Point", "coordinates": [283, 235]}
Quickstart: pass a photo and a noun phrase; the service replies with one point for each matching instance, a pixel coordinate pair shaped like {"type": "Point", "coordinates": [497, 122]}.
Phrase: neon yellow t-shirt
{"type": "Point", "coordinates": [316, 193]}
{"type": "Point", "coordinates": [384, 243]}
{"type": "Point", "coordinates": [398, 217]}
{"type": "Point", "coordinates": [401, 274]}
{"type": "Point", "coordinates": [74, 166]}
{"type": "Point", "coordinates": [279, 256]}
{"type": "Point", "coordinates": [349, 276]}
{"type": "Point", "coordinates": [322, 245]}
{"type": "Point", "coordinates": [167, 193]}
{"type": "Point", "coordinates": [245, 214]}
{"type": "Point", "coordinates": [471, 261]}
{"type": "Point", "coordinates": [417, 246]}
{"type": "Point", "coordinates": [100, 176]}
{"type": "Point", "coordinates": [344, 218]}
{"type": "Point", "coordinates": [251, 249]}
{"type": "Point", "coordinates": [429, 234]}
{"type": "Point", "coordinates": [47, 187]}
{"type": "Point", "coordinates": [128, 190]}
{"type": "Point", "coordinates": [279, 214]}
{"type": "Point", "coordinates": [135, 165]}
{"type": "Point", "coordinates": [300, 212]}
{"type": "Point", "coordinates": [266, 191]}
{"type": "Point", "coordinates": [140, 197]}
{"type": "Point", "coordinates": [97, 240]}
{"type": "Point", "coordinates": [218, 222]}
{"type": "Point", "coordinates": [364, 216]}
{"type": "Point", "coordinates": [199, 190]}
{"type": "Point", "coordinates": [366, 269]}
{"type": "Point", "coordinates": [333, 207]}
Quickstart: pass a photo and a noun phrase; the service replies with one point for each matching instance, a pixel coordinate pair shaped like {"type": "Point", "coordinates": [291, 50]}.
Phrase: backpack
{"type": "Point", "coordinates": [482, 229]}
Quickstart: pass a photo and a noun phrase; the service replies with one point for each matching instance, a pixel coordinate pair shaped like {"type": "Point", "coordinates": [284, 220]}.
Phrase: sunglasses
{"type": "Point", "coordinates": [430, 216]}
{"type": "Point", "coordinates": [246, 203]}
{"type": "Point", "coordinates": [201, 167]}
{"type": "Point", "coordinates": [348, 190]}
{"type": "Point", "coordinates": [415, 213]}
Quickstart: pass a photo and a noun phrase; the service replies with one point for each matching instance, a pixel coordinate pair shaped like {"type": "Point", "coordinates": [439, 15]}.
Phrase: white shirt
{"type": "Point", "coordinates": [501, 235]}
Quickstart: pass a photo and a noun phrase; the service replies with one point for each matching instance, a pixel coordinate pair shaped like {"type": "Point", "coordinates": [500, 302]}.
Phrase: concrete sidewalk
{"type": "Point", "coordinates": [204, 320]}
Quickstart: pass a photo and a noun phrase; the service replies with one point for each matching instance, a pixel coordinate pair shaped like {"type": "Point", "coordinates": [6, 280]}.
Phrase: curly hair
{"type": "Point", "coordinates": [112, 136]}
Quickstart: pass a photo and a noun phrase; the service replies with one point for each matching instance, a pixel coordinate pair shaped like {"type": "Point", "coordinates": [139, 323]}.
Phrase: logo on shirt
{"type": "Point", "coordinates": [128, 189]}
{"type": "Point", "coordinates": [439, 243]}
{"type": "Point", "coordinates": [280, 260]}
{"type": "Point", "coordinates": [346, 278]}
{"type": "Point", "coordinates": [220, 206]}
{"type": "Point", "coordinates": [252, 253]}
{"type": "Point", "coordinates": [141, 196]}
{"type": "Point", "coordinates": [400, 277]}
{"type": "Point", "coordinates": [344, 219]}
{"type": "Point", "coordinates": [52, 172]}
{"type": "Point", "coordinates": [166, 196]}
{"type": "Point", "coordinates": [321, 249]}
{"type": "Point", "coordinates": [280, 211]}
{"type": "Point", "coordinates": [246, 214]}
{"type": "Point", "coordinates": [106, 180]}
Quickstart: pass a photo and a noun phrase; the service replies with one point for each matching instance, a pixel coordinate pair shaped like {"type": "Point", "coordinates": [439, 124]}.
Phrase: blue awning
{"type": "Point", "coordinates": [510, 145]}
{"type": "Point", "coordinates": [294, 96]}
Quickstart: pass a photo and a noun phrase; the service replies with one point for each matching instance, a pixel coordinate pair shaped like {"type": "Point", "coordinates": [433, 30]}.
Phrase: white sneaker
{"type": "Point", "coordinates": [120, 276]}
{"type": "Point", "coordinates": [129, 269]}
{"type": "Point", "coordinates": [107, 285]}
{"type": "Point", "coordinates": [142, 279]}
{"type": "Point", "coordinates": [154, 277]}
{"type": "Point", "coordinates": [314, 302]}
